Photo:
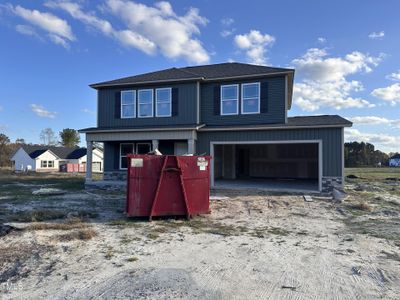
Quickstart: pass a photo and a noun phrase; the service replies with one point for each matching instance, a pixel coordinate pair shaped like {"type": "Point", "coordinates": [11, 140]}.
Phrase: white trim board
{"type": "Point", "coordinates": [317, 141]}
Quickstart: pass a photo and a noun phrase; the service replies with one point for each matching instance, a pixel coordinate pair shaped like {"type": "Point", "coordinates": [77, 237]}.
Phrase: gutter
{"type": "Point", "coordinates": [273, 127]}
{"type": "Point", "coordinates": [141, 129]}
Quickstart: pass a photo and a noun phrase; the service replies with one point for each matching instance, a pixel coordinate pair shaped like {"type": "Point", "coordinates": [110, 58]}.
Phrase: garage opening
{"type": "Point", "coordinates": [271, 166]}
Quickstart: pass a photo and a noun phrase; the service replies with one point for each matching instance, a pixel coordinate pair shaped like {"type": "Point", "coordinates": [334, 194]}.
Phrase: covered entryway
{"type": "Point", "coordinates": [270, 165]}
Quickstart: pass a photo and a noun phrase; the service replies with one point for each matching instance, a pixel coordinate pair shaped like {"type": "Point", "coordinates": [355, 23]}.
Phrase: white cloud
{"type": "Point", "coordinates": [390, 93]}
{"type": "Point", "coordinates": [58, 30]}
{"type": "Point", "coordinates": [255, 44]}
{"type": "Point", "coordinates": [383, 142]}
{"type": "Point", "coordinates": [375, 120]}
{"type": "Point", "coordinates": [27, 30]}
{"type": "Point", "coordinates": [227, 32]}
{"type": "Point", "coordinates": [227, 22]}
{"type": "Point", "coordinates": [324, 79]}
{"type": "Point", "coordinates": [376, 35]}
{"type": "Point", "coordinates": [321, 40]}
{"type": "Point", "coordinates": [149, 29]}
{"type": "Point", "coordinates": [40, 111]}
{"type": "Point", "coordinates": [88, 111]}
{"type": "Point", "coordinates": [3, 126]}
{"type": "Point", "coordinates": [395, 76]}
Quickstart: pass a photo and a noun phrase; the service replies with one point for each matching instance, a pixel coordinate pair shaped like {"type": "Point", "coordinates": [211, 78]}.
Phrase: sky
{"type": "Point", "coordinates": [346, 55]}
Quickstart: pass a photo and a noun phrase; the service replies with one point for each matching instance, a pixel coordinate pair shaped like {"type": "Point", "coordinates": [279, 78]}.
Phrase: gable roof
{"type": "Point", "coordinates": [396, 156]}
{"type": "Point", "coordinates": [205, 72]}
{"type": "Point", "coordinates": [222, 71]}
{"type": "Point", "coordinates": [35, 151]}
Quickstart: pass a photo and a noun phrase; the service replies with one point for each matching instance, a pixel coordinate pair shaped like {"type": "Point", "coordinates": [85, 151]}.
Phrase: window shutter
{"type": "Point", "coordinates": [264, 97]}
{"type": "Point", "coordinates": [175, 101]}
{"type": "Point", "coordinates": [217, 100]}
{"type": "Point", "coordinates": [117, 108]}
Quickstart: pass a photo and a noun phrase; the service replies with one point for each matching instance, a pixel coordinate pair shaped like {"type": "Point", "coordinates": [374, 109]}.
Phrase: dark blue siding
{"type": "Point", "coordinates": [187, 112]}
{"type": "Point", "coordinates": [331, 142]}
{"type": "Point", "coordinates": [275, 112]}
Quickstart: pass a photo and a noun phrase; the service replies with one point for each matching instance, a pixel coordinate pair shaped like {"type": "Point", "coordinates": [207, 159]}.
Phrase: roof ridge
{"type": "Point", "coordinates": [187, 72]}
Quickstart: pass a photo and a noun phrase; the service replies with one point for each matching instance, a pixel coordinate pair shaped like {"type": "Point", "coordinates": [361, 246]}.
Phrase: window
{"type": "Point", "coordinates": [47, 163]}
{"type": "Point", "coordinates": [128, 104]}
{"type": "Point", "coordinates": [145, 100]}
{"type": "Point", "coordinates": [125, 149]}
{"type": "Point", "coordinates": [143, 148]}
{"type": "Point", "coordinates": [163, 102]}
{"type": "Point", "coordinates": [251, 98]}
{"type": "Point", "coordinates": [229, 99]}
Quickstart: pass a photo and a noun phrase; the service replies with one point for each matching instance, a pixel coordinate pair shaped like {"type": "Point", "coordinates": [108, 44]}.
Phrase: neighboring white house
{"type": "Point", "coordinates": [394, 161]}
{"type": "Point", "coordinates": [50, 158]}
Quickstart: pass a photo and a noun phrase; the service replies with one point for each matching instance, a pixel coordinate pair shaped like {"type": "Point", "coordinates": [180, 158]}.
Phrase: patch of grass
{"type": "Point", "coordinates": [364, 206]}
{"type": "Point", "coordinates": [153, 236]}
{"type": "Point", "coordinates": [36, 216]}
{"type": "Point", "coordinates": [132, 259]}
{"type": "Point", "coordinates": [109, 254]}
{"type": "Point", "coordinates": [84, 234]}
{"type": "Point", "coordinates": [388, 229]}
{"type": "Point", "coordinates": [278, 231]}
{"type": "Point", "coordinates": [56, 226]}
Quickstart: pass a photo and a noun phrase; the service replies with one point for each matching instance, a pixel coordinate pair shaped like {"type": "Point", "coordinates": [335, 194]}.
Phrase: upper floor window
{"type": "Point", "coordinates": [229, 99]}
{"type": "Point", "coordinates": [128, 104]}
{"type": "Point", "coordinates": [163, 102]}
{"type": "Point", "coordinates": [145, 103]}
{"type": "Point", "coordinates": [250, 98]}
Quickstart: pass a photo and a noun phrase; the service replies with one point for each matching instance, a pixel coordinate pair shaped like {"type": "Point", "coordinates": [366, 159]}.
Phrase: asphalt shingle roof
{"type": "Point", "coordinates": [205, 72]}
{"type": "Point", "coordinates": [292, 122]}
{"type": "Point", "coordinates": [62, 152]}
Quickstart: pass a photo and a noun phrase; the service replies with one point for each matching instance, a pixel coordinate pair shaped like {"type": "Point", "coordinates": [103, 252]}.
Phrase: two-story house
{"type": "Point", "coordinates": [235, 112]}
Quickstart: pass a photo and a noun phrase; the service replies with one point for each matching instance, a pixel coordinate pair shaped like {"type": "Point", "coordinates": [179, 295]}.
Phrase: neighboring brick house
{"type": "Point", "coordinates": [49, 158]}
{"type": "Point", "coordinates": [238, 113]}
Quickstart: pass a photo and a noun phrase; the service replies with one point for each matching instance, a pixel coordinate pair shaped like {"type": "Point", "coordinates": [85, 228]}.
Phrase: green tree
{"type": "Point", "coordinates": [363, 154]}
{"type": "Point", "coordinates": [69, 137]}
{"type": "Point", "coordinates": [4, 149]}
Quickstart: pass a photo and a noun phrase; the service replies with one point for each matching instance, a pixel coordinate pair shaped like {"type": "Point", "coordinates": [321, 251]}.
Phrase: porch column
{"type": "Point", "coordinates": [89, 155]}
{"type": "Point", "coordinates": [155, 144]}
{"type": "Point", "coordinates": [191, 146]}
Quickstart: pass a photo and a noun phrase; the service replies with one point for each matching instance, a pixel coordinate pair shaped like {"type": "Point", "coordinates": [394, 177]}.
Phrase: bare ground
{"type": "Point", "coordinates": [253, 245]}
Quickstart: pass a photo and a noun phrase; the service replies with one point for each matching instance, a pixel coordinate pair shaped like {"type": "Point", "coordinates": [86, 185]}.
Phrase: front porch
{"type": "Point", "coordinates": [120, 142]}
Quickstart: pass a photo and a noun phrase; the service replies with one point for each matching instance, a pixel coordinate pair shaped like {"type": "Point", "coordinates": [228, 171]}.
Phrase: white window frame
{"type": "Point", "coordinates": [134, 104]}
{"type": "Point", "coordinates": [242, 99]}
{"type": "Point", "coordinates": [48, 163]}
{"type": "Point", "coordinates": [237, 100]}
{"type": "Point", "coordinates": [152, 103]}
{"type": "Point", "coordinates": [170, 102]}
{"type": "Point", "coordinates": [43, 164]}
{"type": "Point", "coordinates": [120, 153]}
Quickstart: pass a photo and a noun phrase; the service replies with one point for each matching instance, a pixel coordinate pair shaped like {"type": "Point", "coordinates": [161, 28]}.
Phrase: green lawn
{"type": "Point", "coordinates": [373, 173]}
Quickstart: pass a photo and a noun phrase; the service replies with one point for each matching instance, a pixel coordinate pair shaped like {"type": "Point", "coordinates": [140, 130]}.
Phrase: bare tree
{"type": "Point", "coordinates": [47, 136]}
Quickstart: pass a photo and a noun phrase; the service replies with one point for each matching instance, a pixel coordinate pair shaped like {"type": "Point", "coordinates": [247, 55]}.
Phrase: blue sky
{"type": "Point", "coordinates": [346, 55]}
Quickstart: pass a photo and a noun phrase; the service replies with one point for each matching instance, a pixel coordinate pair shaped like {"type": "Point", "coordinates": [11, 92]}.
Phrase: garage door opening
{"type": "Point", "coordinates": [271, 166]}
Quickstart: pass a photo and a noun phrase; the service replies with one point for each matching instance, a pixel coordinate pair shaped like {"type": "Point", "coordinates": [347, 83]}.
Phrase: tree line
{"type": "Point", "coordinates": [360, 154]}
{"type": "Point", "coordinates": [67, 137]}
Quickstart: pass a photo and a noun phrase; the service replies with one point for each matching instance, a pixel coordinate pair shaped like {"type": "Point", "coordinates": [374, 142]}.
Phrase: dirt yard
{"type": "Point", "coordinates": [254, 245]}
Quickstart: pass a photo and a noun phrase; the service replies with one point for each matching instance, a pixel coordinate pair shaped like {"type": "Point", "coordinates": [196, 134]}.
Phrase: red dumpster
{"type": "Point", "coordinates": [167, 185]}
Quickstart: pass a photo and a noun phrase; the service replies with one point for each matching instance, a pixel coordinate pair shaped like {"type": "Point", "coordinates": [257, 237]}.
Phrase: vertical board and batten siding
{"type": "Point", "coordinates": [184, 109]}
{"type": "Point", "coordinates": [331, 142]}
{"type": "Point", "coordinates": [273, 112]}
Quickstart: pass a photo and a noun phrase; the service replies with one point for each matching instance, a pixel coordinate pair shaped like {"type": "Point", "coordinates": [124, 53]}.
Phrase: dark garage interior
{"type": "Point", "coordinates": [285, 166]}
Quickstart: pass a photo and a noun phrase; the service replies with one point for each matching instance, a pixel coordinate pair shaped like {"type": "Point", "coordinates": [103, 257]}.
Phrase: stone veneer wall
{"type": "Point", "coordinates": [115, 175]}
{"type": "Point", "coordinates": [328, 183]}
